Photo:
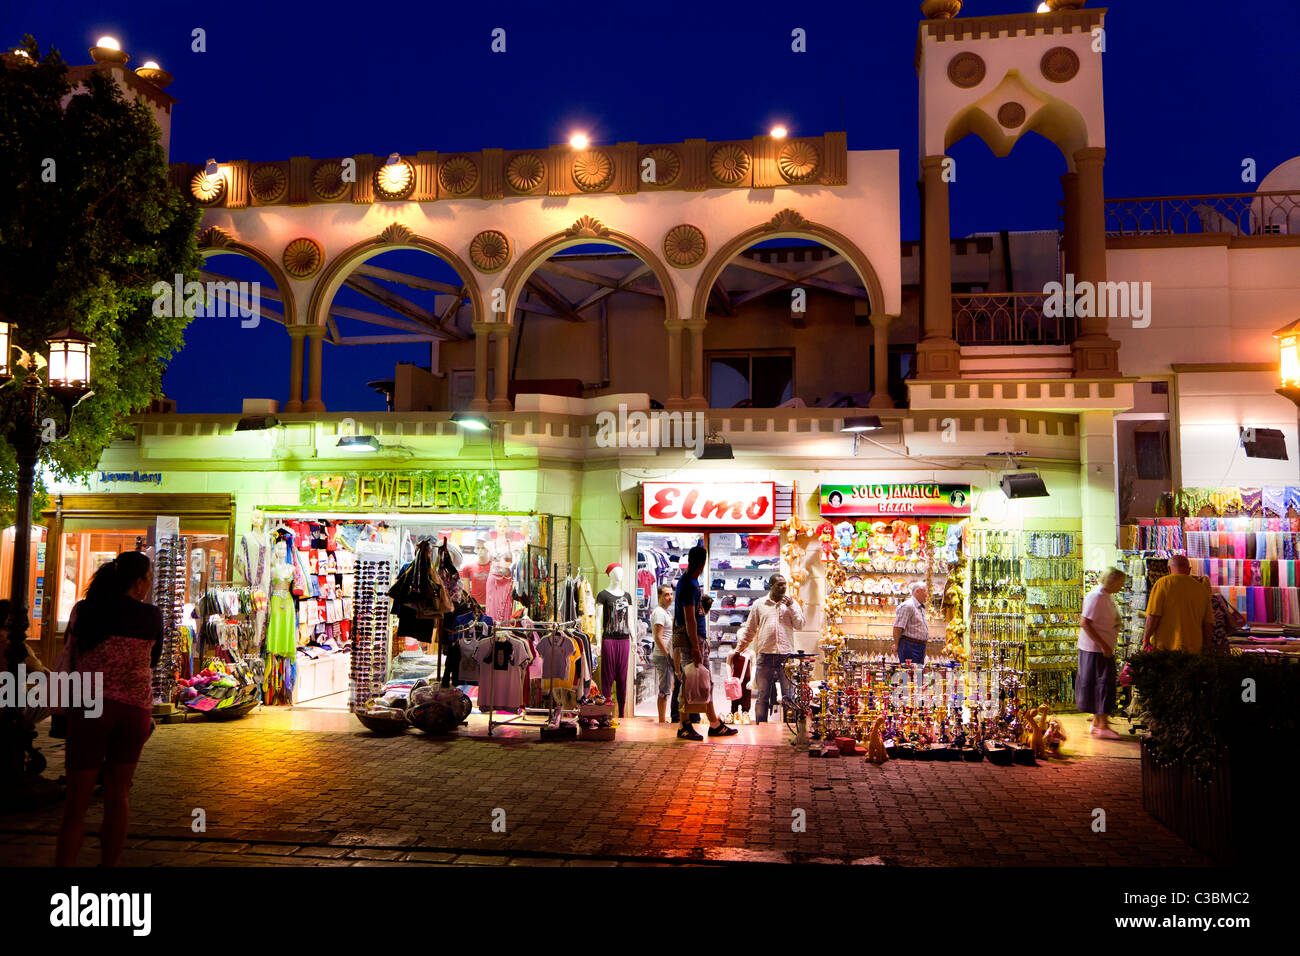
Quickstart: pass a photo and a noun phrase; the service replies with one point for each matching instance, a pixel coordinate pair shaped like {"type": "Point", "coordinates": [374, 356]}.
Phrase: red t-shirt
{"type": "Point", "coordinates": [477, 575]}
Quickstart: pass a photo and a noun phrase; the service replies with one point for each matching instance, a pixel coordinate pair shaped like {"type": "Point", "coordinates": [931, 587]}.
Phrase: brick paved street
{"type": "Point", "coordinates": [275, 796]}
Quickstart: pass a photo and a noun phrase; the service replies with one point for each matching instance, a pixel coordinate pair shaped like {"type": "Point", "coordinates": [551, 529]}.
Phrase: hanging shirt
{"type": "Point", "coordinates": [502, 665]}
{"type": "Point", "coordinates": [615, 616]}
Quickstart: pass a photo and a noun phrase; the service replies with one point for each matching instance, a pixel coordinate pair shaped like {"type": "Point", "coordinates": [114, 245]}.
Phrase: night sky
{"type": "Point", "coordinates": [1193, 87]}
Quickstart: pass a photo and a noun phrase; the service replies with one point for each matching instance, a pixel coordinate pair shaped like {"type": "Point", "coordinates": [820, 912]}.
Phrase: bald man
{"type": "Point", "coordinates": [1179, 615]}
{"type": "Point", "coordinates": [910, 630]}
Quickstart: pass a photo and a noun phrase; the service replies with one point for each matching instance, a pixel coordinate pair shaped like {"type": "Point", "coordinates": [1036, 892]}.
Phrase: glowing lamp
{"type": "Point", "coordinates": [779, 132]}
{"type": "Point", "coordinates": [1288, 347]}
{"type": "Point", "coordinates": [69, 364]}
{"type": "Point", "coordinates": [578, 141]}
{"type": "Point", "coordinates": [6, 332]}
{"type": "Point", "coordinates": [108, 43]}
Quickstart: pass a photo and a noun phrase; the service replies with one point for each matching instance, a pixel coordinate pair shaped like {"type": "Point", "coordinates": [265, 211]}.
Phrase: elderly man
{"type": "Point", "coordinates": [910, 630]}
{"type": "Point", "coordinates": [770, 628]}
{"type": "Point", "coordinates": [1179, 614]}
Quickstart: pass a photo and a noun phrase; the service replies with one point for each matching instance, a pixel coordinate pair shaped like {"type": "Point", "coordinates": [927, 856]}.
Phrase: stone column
{"type": "Point", "coordinates": [1097, 488]}
{"type": "Point", "coordinates": [296, 334]}
{"type": "Point", "coordinates": [1096, 355]}
{"type": "Point", "coordinates": [675, 399]}
{"type": "Point", "coordinates": [880, 397]}
{"type": "Point", "coordinates": [500, 400]}
{"type": "Point", "coordinates": [696, 397]}
{"type": "Point", "coordinates": [938, 355]}
{"type": "Point", "coordinates": [481, 332]}
{"type": "Point", "coordinates": [315, 347]}
{"type": "Point", "coordinates": [1070, 238]}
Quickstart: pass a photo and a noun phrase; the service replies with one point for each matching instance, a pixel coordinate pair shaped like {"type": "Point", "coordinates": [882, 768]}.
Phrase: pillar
{"type": "Point", "coordinates": [696, 397]}
{"type": "Point", "coordinates": [1097, 489]}
{"type": "Point", "coordinates": [674, 399]}
{"type": "Point", "coordinates": [296, 334]}
{"type": "Point", "coordinates": [481, 332]}
{"type": "Point", "coordinates": [1096, 355]}
{"type": "Point", "coordinates": [880, 397]}
{"type": "Point", "coordinates": [938, 355]}
{"type": "Point", "coordinates": [315, 346]}
{"type": "Point", "coordinates": [500, 400]}
{"type": "Point", "coordinates": [1070, 238]}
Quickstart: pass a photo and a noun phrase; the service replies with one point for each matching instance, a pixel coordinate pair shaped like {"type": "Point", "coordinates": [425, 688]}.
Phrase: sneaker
{"type": "Point", "coordinates": [689, 733]}
{"type": "Point", "coordinates": [743, 583]}
{"type": "Point", "coordinates": [723, 566]}
{"type": "Point", "coordinates": [722, 730]}
{"type": "Point", "coordinates": [1105, 733]}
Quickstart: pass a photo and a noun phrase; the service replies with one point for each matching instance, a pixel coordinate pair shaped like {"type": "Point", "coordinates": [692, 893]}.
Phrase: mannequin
{"type": "Point", "coordinates": [281, 634]}
{"type": "Point", "coordinates": [476, 571]}
{"type": "Point", "coordinates": [615, 617]}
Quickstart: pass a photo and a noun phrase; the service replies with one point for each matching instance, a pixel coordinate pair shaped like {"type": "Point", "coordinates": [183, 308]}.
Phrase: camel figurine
{"type": "Point", "coordinates": [1037, 725]}
{"type": "Point", "coordinates": [876, 752]}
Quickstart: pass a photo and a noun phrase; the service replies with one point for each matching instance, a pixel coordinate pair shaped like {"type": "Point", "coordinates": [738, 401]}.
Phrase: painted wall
{"type": "Point", "coordinates": [1212, 408]}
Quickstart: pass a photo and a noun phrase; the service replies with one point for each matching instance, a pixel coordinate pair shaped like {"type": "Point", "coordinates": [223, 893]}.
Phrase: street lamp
{"type": "Point", "coordinates": [1288, 347]}
{"type": "Point", "coordinates": [67, 381]}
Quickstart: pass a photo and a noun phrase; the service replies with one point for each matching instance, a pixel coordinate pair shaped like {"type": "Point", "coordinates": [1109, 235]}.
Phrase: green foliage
{"type": "Point", "coordinates": [1195, 707]}
{"type": "Point", "coordinates": [85, 249]}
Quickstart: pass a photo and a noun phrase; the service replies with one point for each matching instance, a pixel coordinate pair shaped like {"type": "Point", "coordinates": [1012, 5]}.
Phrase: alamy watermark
{"type": "Point", "coordinates": [83, 690]}
{"type": "Point", "coordinates": [217, 300]}
{"type": "Point", "coordinates": [654, 429]}
{"type": "Point", "coordinates": [1086, 300]}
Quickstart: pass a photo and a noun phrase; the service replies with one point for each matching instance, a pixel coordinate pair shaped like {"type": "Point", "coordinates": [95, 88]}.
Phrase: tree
{"type": "Point", "coordinates": [88, 223]}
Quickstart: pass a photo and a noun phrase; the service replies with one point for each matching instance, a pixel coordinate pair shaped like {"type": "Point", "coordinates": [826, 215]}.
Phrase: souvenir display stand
{"type": "Point", "coordinates": [171, 565]}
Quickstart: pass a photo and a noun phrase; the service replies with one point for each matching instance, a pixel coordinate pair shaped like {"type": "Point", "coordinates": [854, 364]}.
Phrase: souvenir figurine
{"type": "Point", "coordinates": [1037, 722]}
{"type": "Point", "coordinates": [1055, 736]}
{"type": "Point", "coordinates": [844, 536]}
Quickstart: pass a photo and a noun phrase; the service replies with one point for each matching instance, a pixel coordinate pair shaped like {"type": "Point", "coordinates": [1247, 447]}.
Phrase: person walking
{"type": "Point", "coordinates": [910, 629]}
{"type": "Point", "coordinates": [1179, 617]}
{"type": "Point", "coordinates": [116, 636]}
{"type": "Point", "coordinates": [1099, 623]}
{"type": "Point", "coordinates": [770, 629]}
{"type": "Point", "coordinates": [690, 643]}
{"type": "Point", "coordinates": [661, 627]}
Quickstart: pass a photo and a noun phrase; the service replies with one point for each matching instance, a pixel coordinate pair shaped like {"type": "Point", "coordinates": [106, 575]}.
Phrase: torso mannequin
{"type": "Point", "coordinates": [476, 572]}
{"type": "Point", "coordinates": [615, 618]}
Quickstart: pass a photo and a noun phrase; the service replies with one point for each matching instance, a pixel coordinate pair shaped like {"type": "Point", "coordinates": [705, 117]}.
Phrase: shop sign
{"type": "Point", "coordinates": [463, 491]}
{"type": "Point", "coordinates": [137, 477]}
{"type": "Point", "coordinates": [923, 498]}
{"type": "Point", "coordinates": [685, 504]}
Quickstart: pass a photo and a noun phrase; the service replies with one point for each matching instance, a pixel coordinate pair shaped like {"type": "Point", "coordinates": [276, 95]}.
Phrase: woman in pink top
{"type": "Point", "coordinates": [116, 637]}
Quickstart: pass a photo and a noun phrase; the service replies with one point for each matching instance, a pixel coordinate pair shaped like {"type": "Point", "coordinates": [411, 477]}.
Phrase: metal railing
{"type": "Point", "coordinates": [1236, 214]}
{"type": "Point", "coordinates": [1008, 318]}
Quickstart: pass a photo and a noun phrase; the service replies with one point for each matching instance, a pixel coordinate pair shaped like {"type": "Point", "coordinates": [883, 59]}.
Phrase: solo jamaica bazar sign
{"type": "Point", "coordinates": [854, 501]}
{"type": "Point", "coordinates": [453, 491]}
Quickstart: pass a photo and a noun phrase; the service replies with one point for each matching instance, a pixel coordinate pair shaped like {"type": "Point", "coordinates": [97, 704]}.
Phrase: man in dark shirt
{"type": "Point", "coordinates": [690, 644]}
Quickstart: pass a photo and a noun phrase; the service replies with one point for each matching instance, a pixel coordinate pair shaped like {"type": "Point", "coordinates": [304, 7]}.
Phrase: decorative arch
{"type": "Point", "coordinates": [217, 242]}
{"type": "Point", "coordinates": [1003, 116]}
{"type": "Point", "coordinates": [788, 224]}
{"type": "Point", "coordinates": [583, 232]}
{"type": "Point", "coordinates": [395, 236]}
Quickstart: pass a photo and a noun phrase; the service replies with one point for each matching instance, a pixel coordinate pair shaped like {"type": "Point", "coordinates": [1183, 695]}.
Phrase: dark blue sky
{"type": "Point", "coordinates": [1192, 88]}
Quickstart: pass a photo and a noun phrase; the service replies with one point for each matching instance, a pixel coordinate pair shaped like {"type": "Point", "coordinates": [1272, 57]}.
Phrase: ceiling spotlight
{"type": "Point", "coordinates": [1023, 484]}
{"type": "Point", "coordinates": [717, 451]}
{"type": "Point", "coordinates": [394, 159]}
{"type": "Point", "coordinates": [578, 140]}
{"type": "Point", "coordinates": [358, 443]}
{"type": "Point", "coordinates": [779, 132]}
{"type": "Point", "coordinates": [212, 170]}
{"type": "Point", "coordinates": [256, 423]}
{"type": "Point", "coordinates": [862, 423]}
{"type": "Point", "coordinates": [108, 43]}
{"type": "Point", "coordinates": [471, 422]}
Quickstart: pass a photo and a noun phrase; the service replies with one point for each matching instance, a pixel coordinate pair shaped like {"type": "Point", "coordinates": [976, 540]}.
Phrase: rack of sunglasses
{"type": "Point", "coordinates": [553, 715]}
{"type": "Point", "coordinates": [370, 630]}
{"type": "Point", "coordinates": [171, 564]}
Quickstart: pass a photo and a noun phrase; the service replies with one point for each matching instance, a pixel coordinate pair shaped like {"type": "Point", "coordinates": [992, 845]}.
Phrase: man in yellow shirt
{"type": "Point", "coordinates": [1179, 617]}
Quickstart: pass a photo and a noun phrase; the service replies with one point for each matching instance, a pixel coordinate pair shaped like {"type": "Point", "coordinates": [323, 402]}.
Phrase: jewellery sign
{"type": "Point", "coordinates": [686, 504]}
{"type": "Point", "coordinates": [467, 491]}
{"type": "Point", "coordinates": [863, 501]}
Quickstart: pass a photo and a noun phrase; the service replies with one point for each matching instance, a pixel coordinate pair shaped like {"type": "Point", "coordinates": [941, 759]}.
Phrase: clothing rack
{"type": "Point", "coordinates": [523, 718]}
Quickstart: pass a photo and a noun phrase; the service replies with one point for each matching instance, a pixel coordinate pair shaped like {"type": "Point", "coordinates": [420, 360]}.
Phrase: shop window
{"type": "Point", "coordinates": [35, 570]}
{"type": "Point", "coordinates": [758, 379]}
{"type": "Point", "coordinates": [1145, 473]}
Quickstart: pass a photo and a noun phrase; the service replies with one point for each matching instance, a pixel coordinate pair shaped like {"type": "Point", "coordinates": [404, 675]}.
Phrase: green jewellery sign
{"type": "Point", "coordinates": [456, 491]}
{"type": "Point", "coordinates": [850, 501]}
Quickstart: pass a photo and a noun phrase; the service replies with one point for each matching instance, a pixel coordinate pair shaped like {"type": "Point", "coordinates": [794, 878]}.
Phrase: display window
{"type": "Point", "coordinates": [35, 572]}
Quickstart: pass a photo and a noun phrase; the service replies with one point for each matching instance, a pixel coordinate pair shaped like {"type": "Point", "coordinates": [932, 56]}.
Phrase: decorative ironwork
{"type": "Point", "coordinates": [1234, 214]}
{"type": "Point", "coordinates": [1008, 318]}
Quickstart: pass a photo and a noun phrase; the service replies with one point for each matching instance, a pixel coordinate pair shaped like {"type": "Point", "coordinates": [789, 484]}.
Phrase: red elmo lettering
{"type": "Point", "coordinates": [663, 506]}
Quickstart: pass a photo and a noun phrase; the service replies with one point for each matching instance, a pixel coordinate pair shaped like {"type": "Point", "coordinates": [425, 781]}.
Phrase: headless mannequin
{"type": "Point", "coordinates": [615, 618]}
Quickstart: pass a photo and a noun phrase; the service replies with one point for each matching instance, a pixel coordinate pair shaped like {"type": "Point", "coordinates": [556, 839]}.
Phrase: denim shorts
{"type": "Point", "coordinates": [664, 668]}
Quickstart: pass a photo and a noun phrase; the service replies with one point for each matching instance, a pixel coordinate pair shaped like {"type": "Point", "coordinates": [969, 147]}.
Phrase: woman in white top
{"type": "Point", "coordinates": [1094, 687]}
{"type": "Point", "coordinates": [661, 625]}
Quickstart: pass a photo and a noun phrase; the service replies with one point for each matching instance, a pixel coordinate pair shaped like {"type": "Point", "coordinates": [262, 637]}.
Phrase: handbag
{"type": "Point", "coordinates": [699, 686]}
{"type": "Point", "coordinates": [731, 687]}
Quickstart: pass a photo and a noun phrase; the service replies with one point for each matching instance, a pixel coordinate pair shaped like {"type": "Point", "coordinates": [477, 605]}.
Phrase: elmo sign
{"type": "Point", "coordinates": [685, 504]}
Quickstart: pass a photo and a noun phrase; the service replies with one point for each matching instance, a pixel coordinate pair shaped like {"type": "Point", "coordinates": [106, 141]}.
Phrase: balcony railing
{"type": "Point", "coordinates": [1236, 214]}
{"type": "Point", "coordinates": [1008, 318]}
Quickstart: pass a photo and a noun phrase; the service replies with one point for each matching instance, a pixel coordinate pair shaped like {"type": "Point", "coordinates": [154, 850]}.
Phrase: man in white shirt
{"type": "Point", "coordinates": [661, 623]}
{"type": "Point", "coordinates": [910, 630]}
{"type": "Point", "coordinates": [770, 628]}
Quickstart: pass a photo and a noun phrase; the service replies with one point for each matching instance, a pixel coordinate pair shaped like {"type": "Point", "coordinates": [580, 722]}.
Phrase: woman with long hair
{"type": "Point", "coordinates": [115, 636]}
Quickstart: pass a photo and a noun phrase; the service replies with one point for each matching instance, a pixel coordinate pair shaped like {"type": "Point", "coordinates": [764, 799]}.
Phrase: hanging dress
{"type": "Point", "coordinates": [282, 626]}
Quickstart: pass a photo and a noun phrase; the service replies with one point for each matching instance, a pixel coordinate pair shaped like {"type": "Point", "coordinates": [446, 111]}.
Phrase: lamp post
{"type": "Point", "coordinates": [66, 382]}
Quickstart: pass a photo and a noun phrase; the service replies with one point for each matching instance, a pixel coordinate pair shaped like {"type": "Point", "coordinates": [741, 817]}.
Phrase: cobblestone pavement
{"type": "Point", "coordinates": [276, 796]}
